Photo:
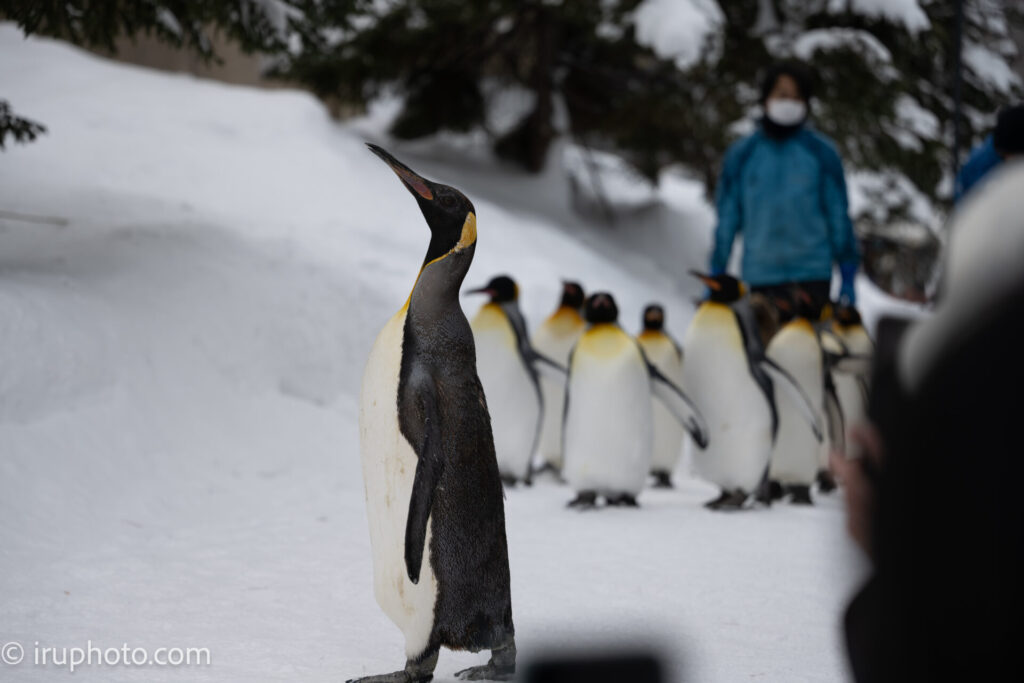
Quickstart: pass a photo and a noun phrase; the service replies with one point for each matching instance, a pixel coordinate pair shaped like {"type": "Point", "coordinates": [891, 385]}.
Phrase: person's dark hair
{"type": "Point", "coordinates": [1008, 137]}
{"type": "Point", "coordinates": [798, 72]}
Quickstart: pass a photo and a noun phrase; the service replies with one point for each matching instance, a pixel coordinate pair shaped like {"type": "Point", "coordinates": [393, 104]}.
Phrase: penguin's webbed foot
{"type": "Point", "coordinates": [396, 677]}
{"type": "Point", "coordinates": [420, 670]}
{"type": "Point", "coordinates": [800, 495]}
{"type": "Point", "coordinates": [509, 481]}
{"type": "Point", "coordinates": [826, 482]}
{"type": "Point", "coordinates": [662, 480]}
{"type": "Point", "coordinates": [729, 500]}
{"type": "Point", "coordinates": [584, 500]}
{"type": "Point", "coordinates": [501, 667]}
{"type": "Point", "coordinates": [623, 500]}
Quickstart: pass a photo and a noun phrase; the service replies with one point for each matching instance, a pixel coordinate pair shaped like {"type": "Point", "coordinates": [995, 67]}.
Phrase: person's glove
{"type": "Point", "coordinates": [847, 294]}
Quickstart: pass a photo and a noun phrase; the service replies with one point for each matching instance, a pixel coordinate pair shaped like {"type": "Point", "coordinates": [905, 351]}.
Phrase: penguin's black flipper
{"type": "Point", "coordinates": [796, 394]}
{"type": "Point", "coordinates": [545, 366]}
{"type": "Point", "coordinates": [429, 465]}
{"type": "Point", "coordinates": [834, 415]}
{"type": "Point", "coordinates": [680, 405]}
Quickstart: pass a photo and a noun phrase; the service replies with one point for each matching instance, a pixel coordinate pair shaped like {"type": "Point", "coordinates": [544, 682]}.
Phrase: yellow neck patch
{"type": "Point", "coordinates": [466, 239]}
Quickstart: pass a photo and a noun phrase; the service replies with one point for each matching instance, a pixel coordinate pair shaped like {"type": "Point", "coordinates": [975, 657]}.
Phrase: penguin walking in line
{"type": "Point", "coordinates": [852, 388]}
{"type": "Point", "coordinates": [846, 365]}
{"type": "Point", "coordinates": [797, 454]}
{"type": "Point", "coordinates": [510, 370]}
{"type": "Point", "coordinates": [608, 427]}
{"type": "Point", "coordinates": [434, 499]}
{"type": "Point", "coordinates": [665, 354]}
{"type": "Point", "coordinates": [734, 383]}
{"type": "Point", "coordinates": [555, 338]}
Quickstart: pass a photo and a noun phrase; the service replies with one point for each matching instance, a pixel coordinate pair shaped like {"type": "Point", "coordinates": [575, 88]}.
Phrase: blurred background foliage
{"type": "Point", "coordinates": [620, 76]}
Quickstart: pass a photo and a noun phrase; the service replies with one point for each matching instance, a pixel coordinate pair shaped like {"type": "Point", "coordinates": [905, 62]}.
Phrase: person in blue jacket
{"type": "Point", "coordinates": [784, 189]}
{"type": "Point", "coordinates": [1006, 141]}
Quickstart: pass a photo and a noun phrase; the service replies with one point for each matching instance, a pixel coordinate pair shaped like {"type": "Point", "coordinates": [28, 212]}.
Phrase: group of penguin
{"type": "Point", "coordinates": [763, 403]}
{"type": "Point", "coordinates": [450, 410]}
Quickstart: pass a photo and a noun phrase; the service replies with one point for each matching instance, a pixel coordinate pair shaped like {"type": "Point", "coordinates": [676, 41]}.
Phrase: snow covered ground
{"type": "Point", "coordinates": [179, 459]}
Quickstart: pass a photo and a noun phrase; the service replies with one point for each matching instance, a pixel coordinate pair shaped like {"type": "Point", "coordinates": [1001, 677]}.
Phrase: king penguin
{"type": "Point", "coordinates": [555, 338]}
{"type": "Point", "coordinates": [510, 371]}
{"type": "Point", "coordinates": [608, 429]}
{"type": "Point", "coordinates": [434, 499]}
{"type": "Point", "coordinates": [852, 388]}
{"type": "Point", "coordinates": [664, 353]}
{"type": "Point", "coordinates": [734, 383]}
{"type": "Point", "coordinates": [796, 459]}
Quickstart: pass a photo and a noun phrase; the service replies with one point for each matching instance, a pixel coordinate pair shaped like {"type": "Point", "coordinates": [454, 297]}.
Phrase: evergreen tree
{"type": "Point", "coordinates": [884, 77]}
{"type": "Point", "coordinates": [12, 125]}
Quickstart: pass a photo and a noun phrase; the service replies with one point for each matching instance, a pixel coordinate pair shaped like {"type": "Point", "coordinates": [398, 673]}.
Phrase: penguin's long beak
{"type": "Point", "coordinates": [707, 280]}
{"type": "Point", "coordinates": [481, 290]}
{"type": "Point", "coordinates": [412, 180]}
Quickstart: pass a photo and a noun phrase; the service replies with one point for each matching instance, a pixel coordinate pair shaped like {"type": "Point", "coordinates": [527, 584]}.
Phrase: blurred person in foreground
{"type": "Point", "coordinates": [783, 188]}
{"type": "Point", "coordinates": [934, 496]}
{"type": "Point", "coordinates": [1005, 142]}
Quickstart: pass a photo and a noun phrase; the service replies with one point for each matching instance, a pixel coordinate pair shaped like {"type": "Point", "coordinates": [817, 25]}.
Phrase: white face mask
{"type": "Point", "coordinates": [785, 112]}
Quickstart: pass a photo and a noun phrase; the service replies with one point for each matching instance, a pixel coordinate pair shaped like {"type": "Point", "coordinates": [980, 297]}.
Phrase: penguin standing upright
{"type": "Point", "coordinates": [665, 354]}
{"type": "Point", "coordinates": [510, 371]}
{"type": "Point", "coordinates": [434, 498]}
{"type": "Point", "coordinates": [796, 455]}
{"type": "Point", "coordinates": [608, 427]}
{"type": "Point", "coordinates": [734, 383]}
{"type": "Point", "coordinates": [852, 388]}
{"type": "Point", "coordinates": [555, 338]}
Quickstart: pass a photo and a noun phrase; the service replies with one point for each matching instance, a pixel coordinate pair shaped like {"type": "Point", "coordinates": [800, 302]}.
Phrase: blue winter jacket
{"type": "Point", "coordinates": [788, 197]}
{"type": "Point", "coordinates": [982, 160]}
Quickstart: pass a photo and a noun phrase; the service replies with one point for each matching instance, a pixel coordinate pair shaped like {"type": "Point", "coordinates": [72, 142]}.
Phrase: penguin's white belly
{"type": "Point", "coordinates": [608, 424]}
{"type": "Point", "coordinates": [557, 348]}
{"type": "Point", "coordinates": [510, 392]}
{"type": "Point", "coordinates": [796, 455]}
{"type": "Point", "coordinates": [716, 376]}
{"type": "Point", "coordinates": [668, 433]}
{"type": "Point", "coordinates": [389, 465]}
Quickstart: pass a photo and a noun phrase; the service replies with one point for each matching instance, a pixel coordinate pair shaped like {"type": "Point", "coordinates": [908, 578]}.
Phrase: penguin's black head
{"type": "Point", "coordinates": [785, 306]}
{"type": "Point", "coordinates": [601, 308]}
{"type": "Point", "coordinates": [654, 318]}
{"type": "Point", "coordinates": [804, 305]}
{"type": "Point", "coordinates": [449, 214]}
{"type": "Point", "coordinates": [572, 294]}
{"type": "Point", "coordinates": [848, 316]}
{"type": "Point", "coordinates": [724, 289]}
{"type": "Point", "coordinates": [501, 289]}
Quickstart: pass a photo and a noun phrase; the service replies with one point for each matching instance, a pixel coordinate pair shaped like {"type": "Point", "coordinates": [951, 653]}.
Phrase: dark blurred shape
{"type": "Point", "coordinates": [945, 525]}
{"type": "Point", "coordinates": [946, 599]}
{"type": "Point", "coordinates": [1008, 136]}
{"type": "Point", "coordinates": [634, 668]}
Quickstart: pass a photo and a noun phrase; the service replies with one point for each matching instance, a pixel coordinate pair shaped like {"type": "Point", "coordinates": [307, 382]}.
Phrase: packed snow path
{"type": "Point", "coordinates": [178, 447]}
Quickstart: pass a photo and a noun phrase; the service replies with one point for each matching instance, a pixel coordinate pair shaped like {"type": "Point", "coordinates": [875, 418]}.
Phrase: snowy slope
{"type": "Point", "coordinates": [178, 448]}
